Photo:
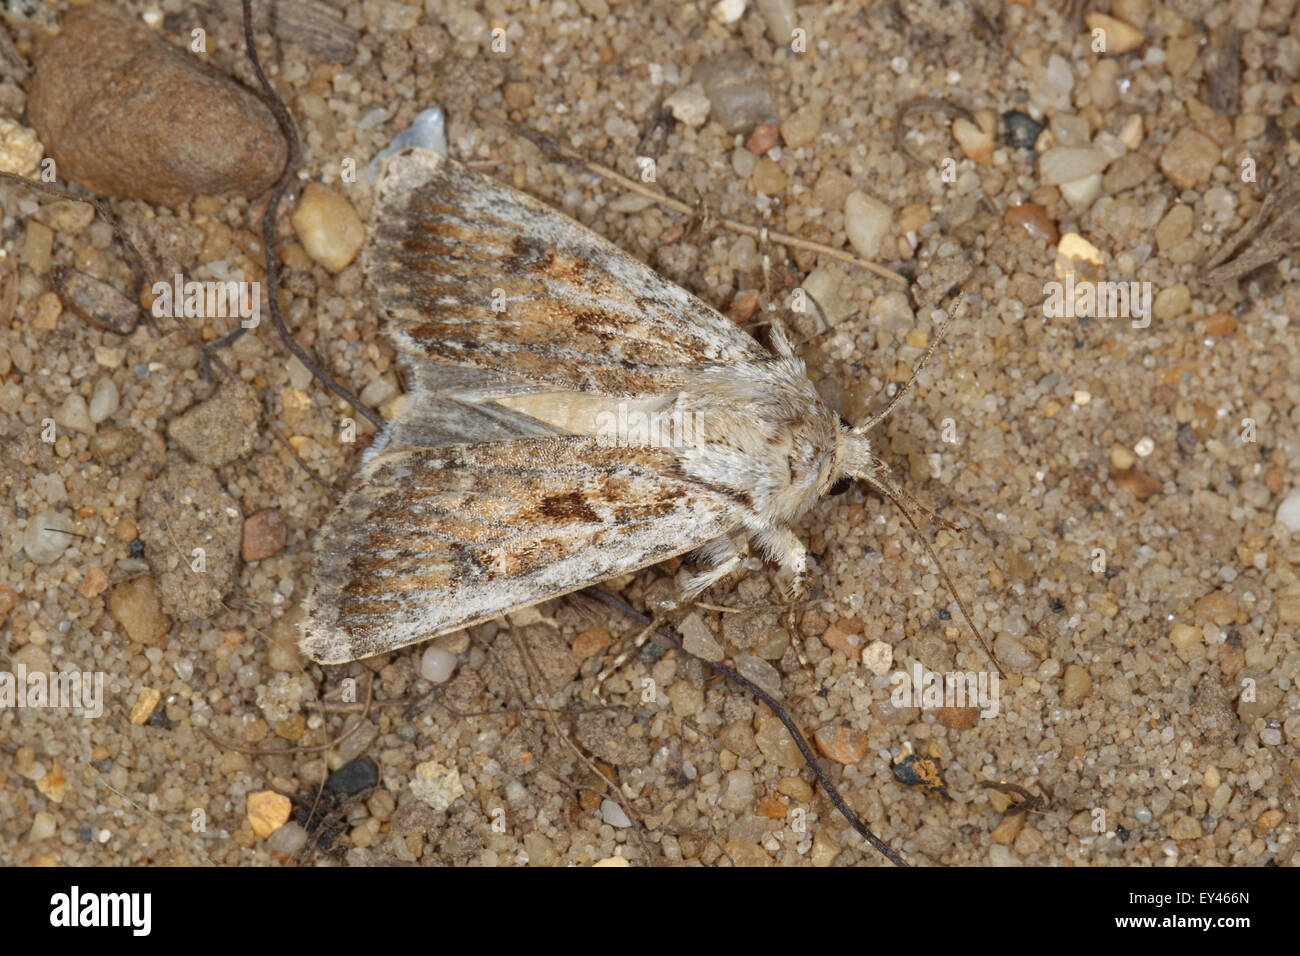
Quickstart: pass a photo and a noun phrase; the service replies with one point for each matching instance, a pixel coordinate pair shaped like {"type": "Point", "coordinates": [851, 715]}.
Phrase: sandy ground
{"type": "Point", "coordinates": [1123, 551]}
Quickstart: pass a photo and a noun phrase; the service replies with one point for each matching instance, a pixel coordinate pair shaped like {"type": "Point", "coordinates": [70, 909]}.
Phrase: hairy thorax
{"type": "Point", "coordinates": [765, 436]}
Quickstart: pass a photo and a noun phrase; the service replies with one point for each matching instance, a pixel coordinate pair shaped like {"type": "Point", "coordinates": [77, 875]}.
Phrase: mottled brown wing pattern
{"type": "Point", "coordinates": [473, 273]}
{"type": "Point", "coordinates": [431, 540]}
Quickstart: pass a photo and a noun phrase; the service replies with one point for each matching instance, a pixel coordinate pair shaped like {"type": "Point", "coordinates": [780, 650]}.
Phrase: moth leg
{"type": "Point", "coordinates": [781, 545]}
{"type": "Point", "coordinates": [722, 556]}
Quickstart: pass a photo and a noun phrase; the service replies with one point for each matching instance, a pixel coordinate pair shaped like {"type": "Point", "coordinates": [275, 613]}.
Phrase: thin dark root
{"type": "Point", "coordinates": [285, 121]}
{"type": "Point", "coordinates": [774, 705]}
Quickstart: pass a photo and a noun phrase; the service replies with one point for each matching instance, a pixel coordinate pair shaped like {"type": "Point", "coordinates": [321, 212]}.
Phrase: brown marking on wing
{"type": "Point", "coordinates": [443, 245]}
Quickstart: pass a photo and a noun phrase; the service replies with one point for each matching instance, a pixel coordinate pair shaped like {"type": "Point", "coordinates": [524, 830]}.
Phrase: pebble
{"type": "Point", "coordinates": [96, 303]}
{"type": "Point", "coordinates": [1127, 172]}
{"type": "Point", "coordinates": [1082, 192]}
{"type": "Point", "coordinates": [135, 606]}
{"type": "Point", "coordinates": [739, 90]}
{"type": "Point", "coordinates": [1011, 652]}
{"type": "Point", "coordinates": [104, 400]}
{"type": "Point", "coordinates": [1174, 227]}
{"type": "Point", "coordinates": [729, 11]}
{"type": "Point", "coordinates": [1034, 220]}
{"type": "Point", "coordinates": [1010, 827]}
{"type": "Point", "coordinates": [183, 509]}
{"type": "Point", "coordinates": [917, 771]}
{"type": "Point", "coordinates": [759, 672]}
{"type": "Point", "coordinates": [1142, 485]}
{"type": "Point", "coordinates": [1050, 87]}
{"type": "Point", "coordinates": [1122, 458]}
{"type": "Point", "coordinates": [103, 97]}
{"type": "Point", "coordinates": [746, 853]}
{"type": "Point", "coordinates": [44, 826]}
{"type": "Point", "coordinates": [613, 814]}
{"type": "Point", "coordinates": [53, 785]}
{"type": "Point", "coordinates": [1288, 512]}
{"type": "Point", "coordinates": [867, 221]}
{"type": "Point", "coordinates": [1073, 248]}
{"type": "Point", "coordinates": [1000, 855]}
{"type": "Point", "coordinates": [802, 127]}
{"type": "Point", "coordinates": [145, 704]}
{"type": "Point", "coordinates": [437, 665]}
{"type": "Point", "coordinates": [48, 310]}
{"type": "Point", "coordinates": [698, 639]}
{"type": "Point", "coordinates": [844, 635]}
{"type": "Point", "coordinates": [43, 539]}
{"type": "Point", "coordinates": [763, 138]}
{"type": "Point", "coordinates": [1186, 828]}
{"type": "Point", "coordinates": [614, 861]}
{"type": "Point", "coordinates": [959, 718]}
{"type": "Point", "coordinates": [20, 150]}
{"type": "Point", "coordinates": [841, 744]}
{"type": "Point", "coordinates": [355, 776]}
{"type": "Point", "coordinates": [436, 785]}
{"type": "Point", "coordinates": [66, 215]}
{"type": "Point", "coordinates": [780, 18]}
{"type": "Point", "coordinates": [427, 131]}
{"type": "Point", "coordinates": [1189, 158]}
{"type": "Point", "coordinates": [113, 444]}
{"type": "Point", "coordinates": [329, 227]}
{"type": "Point", "coordinates": [1022, 130]}
{"type": "Point", "coordinates": [267, 812]}
{"type": "Point", "coordinates": [74, 415]}
{"type": "Point", "coordinates": [1185, 636]}
{"type": "Point", "coordinates": [1120, 37]}
{"type": "Point", "coordinates": [1172, 302]}
{"type": "Point", "coordinates": [288, 839]}
{"type": "Point", "coordinates": [768, 177]}
{"type": "Point", "coordinates": [737, 791]}
{"type": "Point", "coordinates": [775, 743]}
{"type": "Point", "coordinates": [1066, 164]}
{"type": "Point", "coordinates": [976, 139]}
{"type": "Point", "coordinates": [264, 535]}
{"type": "Point", "coordinates": [1288, 604]}
{"type": "Point", "coordinates": [221, 429]}
{"type": "Point", "coordinates": [689, 106]}
{"type": "Point", "coordinates": [687, 700]}
{"type": "Point", "coordinates": [878, 657]}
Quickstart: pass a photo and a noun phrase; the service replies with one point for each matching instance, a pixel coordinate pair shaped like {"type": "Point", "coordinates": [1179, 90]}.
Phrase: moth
{"type": "Point", "coordinates": [511, 476]}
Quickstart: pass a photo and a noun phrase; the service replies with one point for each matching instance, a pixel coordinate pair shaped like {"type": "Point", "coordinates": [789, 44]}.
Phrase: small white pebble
{"type": "Point", "coordinates": [878, 657]}
{"type": "Point", "coordinates": [1082, 397]}
{"type": "Point", "coordinates": [613, 814]}
{"type": "Point", "coordinates": [44, 538]}
{"type": "Point", "coordinates": [436, 664]}
{"type": "Point", "coordinates": [1288, 512]}
{"type": "Point", "coordinates": [104, 401]}
{"type": "Point", "coordinates": [729, 11]}
{"type": "Point", "coordinates": [1144, 447]}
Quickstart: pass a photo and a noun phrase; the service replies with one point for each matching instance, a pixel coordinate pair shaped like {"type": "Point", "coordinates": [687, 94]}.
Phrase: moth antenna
{"type": "Point", "coordinates": [897, 497]}
{"type": "Point", "coordinates": [881, 415]}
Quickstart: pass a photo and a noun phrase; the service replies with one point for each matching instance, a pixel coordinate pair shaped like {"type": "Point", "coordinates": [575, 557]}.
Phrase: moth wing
{"type": "Point", "coordinates": [431, 540]}
{"type": "Point", "coordinates": [474, 273]}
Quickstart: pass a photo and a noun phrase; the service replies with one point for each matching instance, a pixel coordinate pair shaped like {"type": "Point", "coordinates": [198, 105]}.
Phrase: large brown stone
{"type": "Point", "coordinates": [124, 113]}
